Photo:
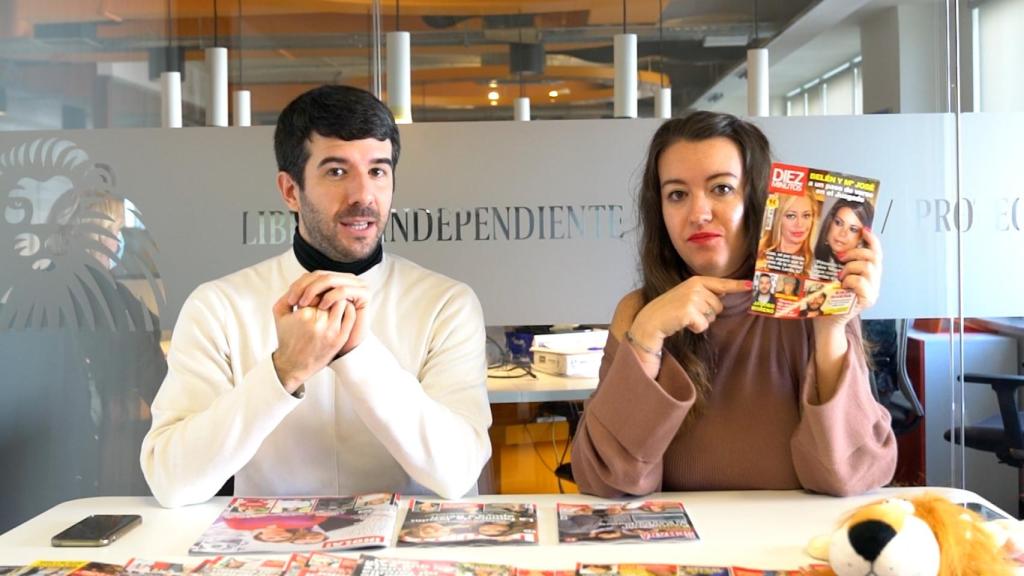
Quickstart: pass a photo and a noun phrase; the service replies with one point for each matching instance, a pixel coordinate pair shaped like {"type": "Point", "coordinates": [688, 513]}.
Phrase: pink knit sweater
{"type": "Point", "coordinates": [763, 427]}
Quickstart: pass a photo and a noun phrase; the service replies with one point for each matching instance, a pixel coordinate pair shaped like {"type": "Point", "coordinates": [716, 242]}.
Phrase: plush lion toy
{"type": "Point", "coordinates": [921, 536]}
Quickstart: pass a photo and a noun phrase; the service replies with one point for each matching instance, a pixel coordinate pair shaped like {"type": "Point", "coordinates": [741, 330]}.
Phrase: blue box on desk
{"type": "Point", "coordinates": [518, 345]}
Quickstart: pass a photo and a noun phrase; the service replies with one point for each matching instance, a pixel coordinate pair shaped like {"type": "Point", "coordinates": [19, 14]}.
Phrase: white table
{"type": "Point", "coordinates": [760, 529]}
{"type": "Point", "coordinates": [543, 388]}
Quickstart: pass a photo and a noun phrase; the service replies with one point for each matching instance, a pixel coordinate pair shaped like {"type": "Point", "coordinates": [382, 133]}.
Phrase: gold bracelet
{"type": "Point", "coordinates": [633, 341]}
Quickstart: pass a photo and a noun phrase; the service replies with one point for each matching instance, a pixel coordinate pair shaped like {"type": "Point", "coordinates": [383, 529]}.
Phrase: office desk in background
{"type": "Point", "coordinates": [759, 529]}
{"type": "Point", "coordinates": [541, 388]}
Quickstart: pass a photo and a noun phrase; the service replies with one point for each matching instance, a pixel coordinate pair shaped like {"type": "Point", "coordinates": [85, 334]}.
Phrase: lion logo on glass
{"type": "Point", "coordinates": [73, 252]}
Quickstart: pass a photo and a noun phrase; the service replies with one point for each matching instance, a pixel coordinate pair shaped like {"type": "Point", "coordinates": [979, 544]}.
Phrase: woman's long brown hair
{"type": "Point", "coordinates": [661, 266]}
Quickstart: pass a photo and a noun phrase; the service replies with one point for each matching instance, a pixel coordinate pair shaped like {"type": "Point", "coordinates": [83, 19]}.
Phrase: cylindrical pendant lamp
{"type": "Point", "coordinates": [242, 107]}
{"type": "Point", "coordinates": [625, 76]}
{"type": "Point", "coordinates": [663, 103]}
{"type": "Point", "coordinates": [757, 82]}
{"type": "Point", "coordinates": [170, 99]}
{"type": "Point", "coordinates": [522, 109]}
{"type": "Point", "coordinates": [217, 106]}
{"type": "Point", "coordinates": [399, 77]}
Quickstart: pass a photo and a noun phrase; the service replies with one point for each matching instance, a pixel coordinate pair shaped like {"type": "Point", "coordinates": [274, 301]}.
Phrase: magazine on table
{"type": "Point", "coordinates": [810, 570]}
{"type": "Point", "coordinates": [583, 569]}
{"type": "Point", "coordinates": [231, 566]}
{"type": "Point", "coordinates": [681, 570]}
{"type": "Point", "coordinates": [812, 219]}
{"type": "Point", "coordinates": [468, 524]}
{"type": "Point", "coordinates": [68, 568]}
{"type": "Point", "coordinates": [145, 567]}
{"type": "Point", "coordinates": [322, 564]}
{"type": "Point", "coordinates": [284, 525]}
{"type": "Point", "coordinates": [374, 566]}
{"type": "Point", "coordinates": [642, 520]}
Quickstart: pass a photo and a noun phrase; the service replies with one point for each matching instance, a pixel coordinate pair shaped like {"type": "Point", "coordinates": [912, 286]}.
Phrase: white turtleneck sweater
{"type": "Point", "coordinates": [405, 411]}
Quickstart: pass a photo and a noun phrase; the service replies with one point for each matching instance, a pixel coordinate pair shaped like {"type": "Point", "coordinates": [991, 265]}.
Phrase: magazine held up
{"type": "Point", "coordinates": [812, 219]}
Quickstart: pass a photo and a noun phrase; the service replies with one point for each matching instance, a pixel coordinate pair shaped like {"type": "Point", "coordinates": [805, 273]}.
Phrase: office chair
{"type": "Point", "coordinates": [1000, 434]}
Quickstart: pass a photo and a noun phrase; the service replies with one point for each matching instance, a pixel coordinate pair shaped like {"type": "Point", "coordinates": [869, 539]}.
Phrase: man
{"type": "Point", "coordinates": [764, 289]}
{"type": "Point", "coordinates": [333, 368]}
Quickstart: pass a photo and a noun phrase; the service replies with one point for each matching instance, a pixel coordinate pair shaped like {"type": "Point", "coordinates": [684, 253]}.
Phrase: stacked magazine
{"type": "Point", "coordinates": [284, 525]}
{"type": "Point", "coordinates": [647, 520]}
{"type": "Point", "coordinates": [468, 524]}
{"type": "Point", "coordinates": [324, 564]}
{"type": "Point", "coordinates": [813, 218]}
{"type": "Point", "coordinates": [681, 570]}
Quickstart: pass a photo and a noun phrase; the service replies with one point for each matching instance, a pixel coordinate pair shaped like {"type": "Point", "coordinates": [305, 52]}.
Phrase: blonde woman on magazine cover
{"type": "Point", "coordinates": [793, 228]}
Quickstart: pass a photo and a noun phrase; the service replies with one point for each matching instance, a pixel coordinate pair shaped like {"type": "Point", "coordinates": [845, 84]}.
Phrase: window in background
{"type": "Point", "coordinates": [836, 92]}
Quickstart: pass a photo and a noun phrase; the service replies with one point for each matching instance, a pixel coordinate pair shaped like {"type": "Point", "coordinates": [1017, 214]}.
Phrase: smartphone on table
{"type": "Point", "coordinates": [97, 530]}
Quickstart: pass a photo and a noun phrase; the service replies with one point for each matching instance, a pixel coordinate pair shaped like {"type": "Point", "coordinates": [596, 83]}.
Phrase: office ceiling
{"type": "Point", "coordinates": [461, 50]}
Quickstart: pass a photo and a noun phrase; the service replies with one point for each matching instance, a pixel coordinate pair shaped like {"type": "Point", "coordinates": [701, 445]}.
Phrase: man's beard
{"type": "Point", "coordinates": [320, 232]}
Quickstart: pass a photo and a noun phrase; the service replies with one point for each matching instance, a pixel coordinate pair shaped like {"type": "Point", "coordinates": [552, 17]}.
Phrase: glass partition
{"type": "Point", "coordinates": [865, 86]}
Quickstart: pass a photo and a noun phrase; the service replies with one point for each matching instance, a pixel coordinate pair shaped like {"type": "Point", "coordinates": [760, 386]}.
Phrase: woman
{"type": "Point", "coordinates": [695, 393]}
{"type": "Point", "coordinates": [844, 230]}
{"type": "Point", "coordinates": [793, 227]}
{"type": "Point", "coordinates": [790, 287]}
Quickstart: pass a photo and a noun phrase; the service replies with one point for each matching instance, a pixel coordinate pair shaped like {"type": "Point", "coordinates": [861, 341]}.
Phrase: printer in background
{"type": "Point", "coordinates": [570, 353]}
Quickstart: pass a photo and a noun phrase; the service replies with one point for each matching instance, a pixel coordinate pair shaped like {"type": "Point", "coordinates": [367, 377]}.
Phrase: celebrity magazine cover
{"type": "Point", "coordinates": [50, 568]}
{"type": "Point", "coordinates": [646, 521]}
{"type": "Point", "coordinates": [468, 524]}
{"type": "Point", "coordinates": [231, 566]}
{"type": "Point", "coordinates": [812, 219]}
{"type": "Point", "coordinates": [373, 566]}
{"type": "Point", "coordinates": [651, 570]}
{"type": "Point", "coordinates": [284, 525]}
{"type": "Point", "coordinates": [320, 563]}
{"type": "Point", "coordinates": [145, 567]}
{"type": "Point", "coordinates": [679, 570]}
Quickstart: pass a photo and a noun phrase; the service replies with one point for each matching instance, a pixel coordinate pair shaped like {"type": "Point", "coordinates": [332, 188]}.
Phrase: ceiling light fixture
{"type": "Point", "coordinates": [241, 99]}
{"type": "Point", "coordinates": [663, 99]}
{"type": "Point", "coordinates": [625, 71]}
{"type": "Point", "coordinates": [726, 41]}
{"type": "Point", "coordinates": [521, 105]}
{"type": "Point", "coordinates": [217, 66]}
{"type": "Point", "coordinates": [170, 85]}
{"type": "Point", "coordinates": [757, 76]}
{"type": "Point", "coordinates": [399, 72]}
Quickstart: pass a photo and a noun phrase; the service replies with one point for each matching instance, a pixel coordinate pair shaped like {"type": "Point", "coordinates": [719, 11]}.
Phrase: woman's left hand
{"type": "Point", "coordinates": [861, 274]}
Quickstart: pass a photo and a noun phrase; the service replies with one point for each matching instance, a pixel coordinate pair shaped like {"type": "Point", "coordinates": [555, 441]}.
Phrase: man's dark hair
{"type": "Point", "coordinates": [331, 111]}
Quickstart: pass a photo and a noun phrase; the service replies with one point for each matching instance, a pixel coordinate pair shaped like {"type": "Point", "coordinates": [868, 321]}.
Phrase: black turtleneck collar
{"type": "Point", "coordinates": [312, 259]}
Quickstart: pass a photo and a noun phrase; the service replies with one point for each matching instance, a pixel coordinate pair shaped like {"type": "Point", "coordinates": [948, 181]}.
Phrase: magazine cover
{"type": "Point", "coordinates": [321, 563]}
{"type": "Point", "coordinates": [468, 524]}
{"type": "Point", "coordinates": [143, 567]}
{"type": "Point", "coordinates": [651, 570]}
{"type": "Point", "coordinates": [229, 566]}
{"type": "Point", "coordinates": [648, 520]}
{"type": "Point", "coordinates": [53, 568]}
{"type": "Point", "coordinates": [285, 525]}
{"type": "Point", "coordinates": [812, 218]}
{"type": "Point", "coordinates": [737, 571]}
{"type": "Point", "coordinates": [373, 566]}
